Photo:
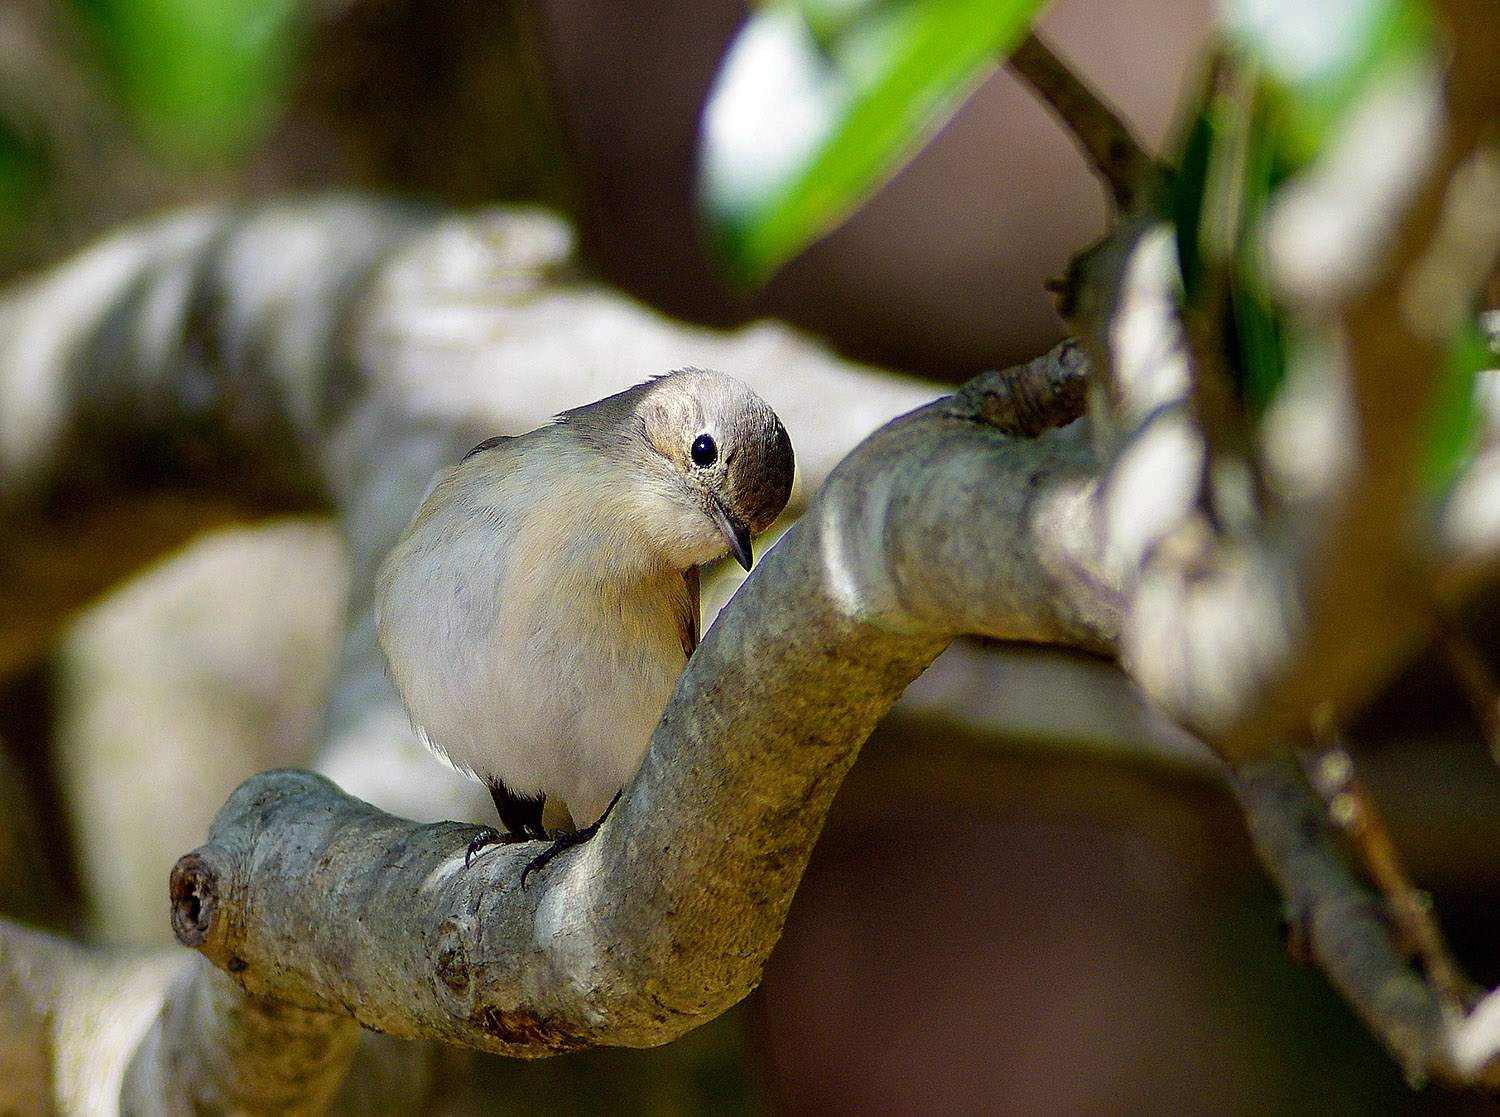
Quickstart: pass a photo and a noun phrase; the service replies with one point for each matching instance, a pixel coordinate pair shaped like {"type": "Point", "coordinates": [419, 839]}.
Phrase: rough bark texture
{"type": "Point", "coordinates": [343, 351]}
{"type": "Point", "coordinates": [666, 918]}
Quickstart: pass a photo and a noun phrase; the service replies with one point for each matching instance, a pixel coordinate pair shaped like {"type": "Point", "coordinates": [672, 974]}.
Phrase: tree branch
{"type": "Point", "coordinates": [1347, 933]}
{"type": "Point", "coordinates": [347, 350]}
{"type": "Point", "coordinates": [214, 1050]}
{"type": "Point", "coordinates": [664, 919]}
{"type": "Point", "coordinates": [1240, 631]}
{"type": "Point", "coordinates": [70, 1019]}
{"type": "Point", "coordinates": [1132, 176]}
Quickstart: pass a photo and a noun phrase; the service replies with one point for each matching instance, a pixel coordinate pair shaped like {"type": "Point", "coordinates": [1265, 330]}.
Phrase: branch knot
{"type": "Point", "coordinates": [195, 899]}
{"type": "Point", "coordinates": [1027, 400]}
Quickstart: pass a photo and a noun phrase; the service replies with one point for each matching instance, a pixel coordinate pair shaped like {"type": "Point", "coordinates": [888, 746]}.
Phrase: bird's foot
{"type": "Point", "coordinates": [487, 837]}
{"type": "Point", "coordinates": [566, 839]}
{"type": "Point", "coordinates": [561, 840]}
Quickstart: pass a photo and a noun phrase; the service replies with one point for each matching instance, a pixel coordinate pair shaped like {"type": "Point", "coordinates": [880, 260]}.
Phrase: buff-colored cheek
{"type": "Point", "coordinates": [664, 444]}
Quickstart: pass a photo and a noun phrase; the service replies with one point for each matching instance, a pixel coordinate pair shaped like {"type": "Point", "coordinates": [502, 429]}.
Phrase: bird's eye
{"type": "Point", "coordinates": [705, 451]}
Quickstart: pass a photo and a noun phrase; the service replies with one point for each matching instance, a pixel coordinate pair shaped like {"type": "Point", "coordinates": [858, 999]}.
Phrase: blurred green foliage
{"type": "Point", "coordinates": [1317, 59]}
{"type": "Point", "coordinates": [200, 79]}
{"type": "Point", "coordinates": [1453, 433]}
{"type": "Point", "coordinates": [1290, 78]}
{"type": "Point", "coordinates": [1225, 175]}
{"type": "Point", "coordinates": [820, 101]}
{"type": "Point", "coordinates": [23, 178]}
{"type": "Point", "coordinates": [1287, 76]}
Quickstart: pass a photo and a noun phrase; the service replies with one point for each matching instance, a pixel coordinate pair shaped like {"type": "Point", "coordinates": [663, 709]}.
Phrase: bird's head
{"type": "Point", "coordinates": [723, 466]}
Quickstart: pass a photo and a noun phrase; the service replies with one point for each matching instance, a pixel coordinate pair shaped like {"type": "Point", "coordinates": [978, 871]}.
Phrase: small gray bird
{"type": "Point", "coordinates": [542, 603]}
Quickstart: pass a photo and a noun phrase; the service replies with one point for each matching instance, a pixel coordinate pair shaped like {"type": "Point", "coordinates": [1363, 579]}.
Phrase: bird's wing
{"type": "Point", "coordinates": [693, 617]}
{"type": "Point", "coordinates": [488, 444]}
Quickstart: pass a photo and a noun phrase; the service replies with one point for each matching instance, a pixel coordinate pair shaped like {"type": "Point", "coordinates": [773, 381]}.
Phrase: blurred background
{"type": "Point", "coordinates": [1030, 898]}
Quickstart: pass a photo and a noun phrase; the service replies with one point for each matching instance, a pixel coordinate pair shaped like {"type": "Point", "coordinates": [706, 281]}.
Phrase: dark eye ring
{"type": "Point", "coordinates": [705, 451]}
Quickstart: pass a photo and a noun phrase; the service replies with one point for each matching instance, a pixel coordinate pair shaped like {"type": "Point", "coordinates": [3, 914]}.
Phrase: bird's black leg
{"type": "Point", "coordinates": [521, 815]}
{"type": "Point", "coordinates": [566, 839]}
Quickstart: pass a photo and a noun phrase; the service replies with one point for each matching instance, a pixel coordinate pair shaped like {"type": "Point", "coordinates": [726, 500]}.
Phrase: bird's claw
{"type": "Point", "coordinates": [561, 840]}
{"type": "Point", "coordinates": [487, 837]}
{"type": "Point", "coordinates": [567, 839]}
{"type": "Point", "coordinates": [484, 839]}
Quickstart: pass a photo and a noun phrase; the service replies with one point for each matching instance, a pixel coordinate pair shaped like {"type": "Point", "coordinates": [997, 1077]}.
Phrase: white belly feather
{"type": "Point", "coordinates": [536, 676]}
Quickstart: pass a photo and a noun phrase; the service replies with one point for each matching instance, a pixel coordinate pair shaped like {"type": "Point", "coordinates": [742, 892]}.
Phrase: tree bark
{"type": "Point", "coordinates": [343, 351]}
{"type": "Point", "coordinates": [665, 919]}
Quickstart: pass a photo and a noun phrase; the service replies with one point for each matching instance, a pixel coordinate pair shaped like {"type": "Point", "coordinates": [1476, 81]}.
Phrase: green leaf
{"type": "Point", "coordinates": [200, 78]}
{"type": "Point", "coordinates": [1261, 363]}
{"type": "Point", "coordinates": [819, 102]}
{"type": "Point", "coordinates": [1218, 199]}
{"type": "Point", "coordinates": [1320, 56]}
{"type": "Point", "coordinates": [1287, 76]}
{"type": "Point", "coordinates": [1185, 202]}
{"type": "Point", "coordinates": [1457, 413]}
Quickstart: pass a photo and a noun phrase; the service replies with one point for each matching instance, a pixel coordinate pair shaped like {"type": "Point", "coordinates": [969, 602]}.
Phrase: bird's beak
{"type": "Point", "coordinates": [736, 534]}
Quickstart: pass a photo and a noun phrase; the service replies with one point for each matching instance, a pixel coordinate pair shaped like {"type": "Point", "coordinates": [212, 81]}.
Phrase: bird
{"type": "Point", "coordinates": [540, 606]}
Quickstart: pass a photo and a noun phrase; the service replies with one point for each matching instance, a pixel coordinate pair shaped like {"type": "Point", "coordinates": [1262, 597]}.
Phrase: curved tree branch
{"type": "Point", "coordinates": [343, 347]}
{"type": "Point", "coordinates": [343, 351]}
{"type": "Point", "coordinates": [665, 919]}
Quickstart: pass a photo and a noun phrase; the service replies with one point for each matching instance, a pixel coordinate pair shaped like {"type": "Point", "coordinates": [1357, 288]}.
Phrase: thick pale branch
{"type": "Point", "coordinates": [70, 1018]}
{"type": "Point", "coordinates": [214, 1050]}
{"type": "Point", "coordinates": [665, 919]}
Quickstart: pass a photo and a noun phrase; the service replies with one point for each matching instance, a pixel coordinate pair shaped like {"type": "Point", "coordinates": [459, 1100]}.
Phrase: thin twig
{"type": "Point", "coordinates": [1474, 677]}
{"type": "Point", "coordinates": [1331, 772]}
{"type": "Point", "coordinates": [1339, 922]}
{"type": "Point", "coordinates": [1118, 158]}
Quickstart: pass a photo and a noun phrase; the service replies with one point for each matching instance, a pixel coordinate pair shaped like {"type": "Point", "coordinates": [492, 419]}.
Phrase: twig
{"type": "Point", "coordinates": [1118, 158]}
{"type": "Point", "coordinates": [1345, 932]}
{"type": "Point", "coordinates": [1474, 677]}
{"type": "Point", "coordinates": [1350, 808]}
